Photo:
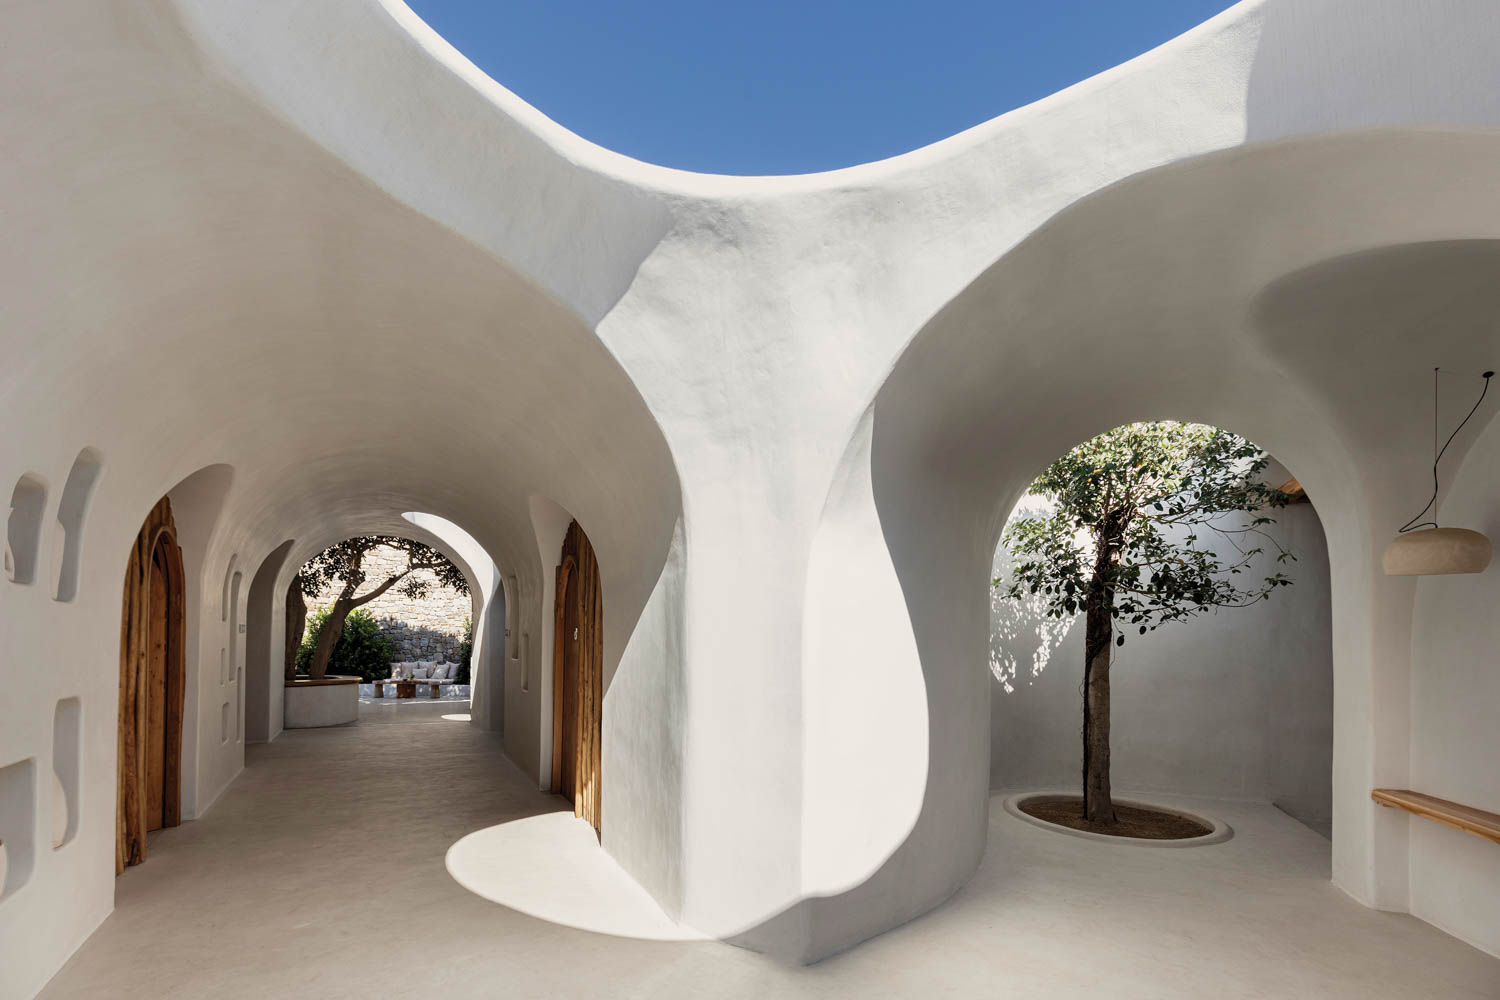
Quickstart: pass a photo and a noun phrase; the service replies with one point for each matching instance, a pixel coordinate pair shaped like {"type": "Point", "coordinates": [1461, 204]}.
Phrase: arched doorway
{"type": "Point", "coordinates": [578, 677]}
{"type": "Point", "coordinates": [151, 688]}
{"type": "Point", "coordinates": [1231, 701]}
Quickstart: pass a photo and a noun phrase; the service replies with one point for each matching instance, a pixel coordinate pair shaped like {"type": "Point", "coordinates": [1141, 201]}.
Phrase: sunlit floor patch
{"type": "Point", "coordinates": [459, 717]}
{"type": "Point", "coordinates": [552, 868]}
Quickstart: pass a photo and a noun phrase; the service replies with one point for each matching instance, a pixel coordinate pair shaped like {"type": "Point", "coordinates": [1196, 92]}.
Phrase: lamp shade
{"type": "Point", "coordinates": [1437, 551]}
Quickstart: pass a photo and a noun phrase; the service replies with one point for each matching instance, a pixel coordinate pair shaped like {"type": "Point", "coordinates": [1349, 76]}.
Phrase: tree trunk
{"type": "Point", "coordinates": [296, 622]}
{"type": "Point", "coordinates": [333, 625]}
{"type": "Point", "coordinates": [1098, 805]}
{"type": "Point", "coordinates": [333, 630]}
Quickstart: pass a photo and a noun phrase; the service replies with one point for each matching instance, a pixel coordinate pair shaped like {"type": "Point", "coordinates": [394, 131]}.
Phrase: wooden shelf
{"type": "Point", "coordinates": [1460, 817]}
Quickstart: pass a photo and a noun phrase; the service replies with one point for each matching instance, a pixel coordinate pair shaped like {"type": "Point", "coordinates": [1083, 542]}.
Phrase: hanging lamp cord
{"type": "Point", "coordinates": [1417, 521]}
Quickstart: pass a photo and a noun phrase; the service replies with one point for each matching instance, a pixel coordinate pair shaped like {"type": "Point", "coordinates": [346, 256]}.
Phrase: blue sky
{"type": "Point", "coordinates": [779, 87]}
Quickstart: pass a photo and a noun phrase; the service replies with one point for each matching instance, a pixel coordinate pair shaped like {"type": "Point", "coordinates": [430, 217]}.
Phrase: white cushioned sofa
{"type": "Point", "coordinates": [424, 670]}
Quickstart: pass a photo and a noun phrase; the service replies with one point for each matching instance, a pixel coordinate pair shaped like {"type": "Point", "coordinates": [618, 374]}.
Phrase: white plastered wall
{"type": "Point", "coordinates": [1455, 687]}
{"type": "Point", "coordinates": [265, 649]}
{"type": "Point", "coordinates": [487, 659]}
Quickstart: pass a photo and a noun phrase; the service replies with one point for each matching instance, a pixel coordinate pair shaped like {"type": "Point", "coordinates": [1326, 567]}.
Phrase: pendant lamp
{"type": "Point", "coordinates": [1422, 548]}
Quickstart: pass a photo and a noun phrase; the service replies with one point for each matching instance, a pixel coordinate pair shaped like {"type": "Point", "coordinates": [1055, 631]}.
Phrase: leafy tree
{"type": "Point", "coordinates": [465, 653]}
{"type": "Point", "coordinates": [345, 562]}
{"type": "Point", "coordinates": [1125, 543]}
{"type": "Point", "coordinates": [362, 650]}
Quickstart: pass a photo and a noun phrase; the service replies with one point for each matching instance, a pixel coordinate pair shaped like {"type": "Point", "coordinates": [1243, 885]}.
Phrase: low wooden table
{"type": "Point", "coordinates": [437, 689]}
{"type": "Point", "coordinates": [406, 689]}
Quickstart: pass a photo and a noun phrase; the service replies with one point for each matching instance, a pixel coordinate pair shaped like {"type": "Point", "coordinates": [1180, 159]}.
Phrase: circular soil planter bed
{"type": "Point", "coordinates": [1141, 824]}
{"type": "Point", "coordinates": [332, 701]}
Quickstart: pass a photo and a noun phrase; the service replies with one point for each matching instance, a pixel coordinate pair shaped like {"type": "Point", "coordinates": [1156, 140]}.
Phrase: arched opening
{"type": "Point", "coordinates": [152, 677]}
{"type": "Point", "coordinates": [578, 677]}
{"type": "Point", "coordinates": [259, 645]}
{"type": "Point", "coordinates": [1227, 702]}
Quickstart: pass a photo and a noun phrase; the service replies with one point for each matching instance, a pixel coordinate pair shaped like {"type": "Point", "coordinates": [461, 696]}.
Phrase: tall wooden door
{"type": "Point", "coordinates": [578, 677]}
{"type": "Point", "coordinates": [152, 676]}
{"type": "Point", "coordinates": [156, 692]}
{"type": "Point", "coordinates": [567, 763]}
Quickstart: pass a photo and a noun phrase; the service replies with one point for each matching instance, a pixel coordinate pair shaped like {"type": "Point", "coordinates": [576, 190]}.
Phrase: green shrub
{"type": "Point", "coordinates": [362, 650]}
{"type": "Point", "coordinates": [465, 653]}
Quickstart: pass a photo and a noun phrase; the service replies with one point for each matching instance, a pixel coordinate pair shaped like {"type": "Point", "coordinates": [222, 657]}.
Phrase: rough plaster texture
{"type": "Point", "coordinates": [740, 387]}
{"type": "Point", "coordinates": [1235, 705]}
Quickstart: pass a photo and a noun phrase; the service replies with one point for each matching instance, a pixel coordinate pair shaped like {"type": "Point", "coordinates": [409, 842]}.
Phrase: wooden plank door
{"type": "Point", "coordinates": [578, 678]}
{"type": "Point", "coordinates": [568, 638]}
{"type": "Point", "coordinates": [152, 684]}
{"type": "Point", "coordinates": [156, 694]}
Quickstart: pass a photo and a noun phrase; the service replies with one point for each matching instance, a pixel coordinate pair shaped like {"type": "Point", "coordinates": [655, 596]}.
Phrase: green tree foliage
{"type": "Point", "coordinates": [465, 653]}
{"type": "Point", "coordinates": [1127, 542]}
{"type": "Point", "coordinates": [345, 562]}
{"type": "Point", "coordinates": [362, 650]}
{"type": "Point", "coordinates": [1156, 493]}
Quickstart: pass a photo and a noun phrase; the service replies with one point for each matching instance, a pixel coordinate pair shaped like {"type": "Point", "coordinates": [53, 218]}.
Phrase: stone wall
{"type": "Point", "coordinates": [426, 629]}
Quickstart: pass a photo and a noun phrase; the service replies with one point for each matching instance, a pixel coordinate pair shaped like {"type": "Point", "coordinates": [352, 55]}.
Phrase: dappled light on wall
{"type": "Point", "coordinates": [1021, 631]}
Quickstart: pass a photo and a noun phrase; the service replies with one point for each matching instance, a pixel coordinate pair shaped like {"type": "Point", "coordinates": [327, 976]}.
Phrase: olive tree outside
{"type": "Point", "coordinates": [1126, 543]}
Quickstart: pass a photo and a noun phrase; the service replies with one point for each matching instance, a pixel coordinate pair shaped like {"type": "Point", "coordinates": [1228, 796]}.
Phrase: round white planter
{"type": "Point", "coordinates": [332, 701]}
{"type": "Point", "coordinates": [1219, 831]}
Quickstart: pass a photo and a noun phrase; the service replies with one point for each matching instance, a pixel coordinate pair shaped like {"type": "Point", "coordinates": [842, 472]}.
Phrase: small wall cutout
{"type": "Point", "coordinates": [525, 661]}
{"type": "Point", "coordinates": [224, 723]}
{"type": "Point", "coordinates": [233, 662]}
{"type": "Point", "coordinates": [224, 597]}
{"type": "Point", "coordinates": [512, 607]}
{"type": "Point", "coordinates": [67, 756]}
{"type": "Point", "coordinates": [72, 513]}
{"type": "Point", "coordinates": [17, 824]}
{"type": "Point", "coordinates": [23, 529]}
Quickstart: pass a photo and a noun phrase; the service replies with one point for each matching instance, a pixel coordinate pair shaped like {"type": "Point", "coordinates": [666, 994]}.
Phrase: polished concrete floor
{"type": "Point", "coordinates": [321, 873]}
